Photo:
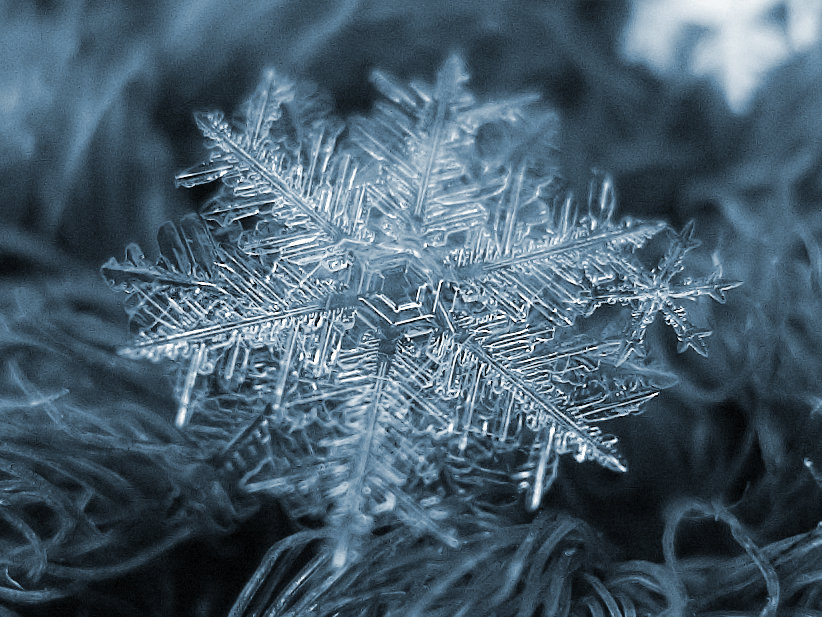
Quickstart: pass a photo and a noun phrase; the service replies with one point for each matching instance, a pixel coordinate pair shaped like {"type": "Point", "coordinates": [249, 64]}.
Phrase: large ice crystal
{"type": "Point", "coordinates": [404, 305]}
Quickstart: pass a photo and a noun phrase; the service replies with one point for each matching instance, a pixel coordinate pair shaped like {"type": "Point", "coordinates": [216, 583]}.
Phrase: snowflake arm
{"type": "Point", "coordinates": [277, 166]}
{"type": "Point", "coordinates": [371, 455]}
{"type": "Point", "coordinates": [555, 275]}
{"type": "Point", "coordinates": [420, 141]}
{"type": "Point", "coordinates": [210, 305]}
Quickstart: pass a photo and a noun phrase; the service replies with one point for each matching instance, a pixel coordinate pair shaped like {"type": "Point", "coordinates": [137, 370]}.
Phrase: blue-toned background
{"type": "Point", "coordinates": [701, 110]}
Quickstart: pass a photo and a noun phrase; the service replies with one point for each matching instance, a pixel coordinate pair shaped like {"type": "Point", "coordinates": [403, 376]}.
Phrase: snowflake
{"type": "Point", "coordinates": [404, 304]}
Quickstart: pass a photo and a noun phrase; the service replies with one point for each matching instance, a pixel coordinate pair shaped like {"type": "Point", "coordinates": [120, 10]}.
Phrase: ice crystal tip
{"type": "Point", "coordinates": [415, 298]}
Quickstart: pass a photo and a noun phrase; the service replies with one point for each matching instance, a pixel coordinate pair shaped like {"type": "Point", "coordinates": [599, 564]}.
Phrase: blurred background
{"type": "Point", "coordinates": [701, 109]}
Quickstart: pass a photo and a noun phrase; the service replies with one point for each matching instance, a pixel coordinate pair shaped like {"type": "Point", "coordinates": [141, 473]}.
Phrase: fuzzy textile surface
{"type": "Point", "coordinates": [107, 509]}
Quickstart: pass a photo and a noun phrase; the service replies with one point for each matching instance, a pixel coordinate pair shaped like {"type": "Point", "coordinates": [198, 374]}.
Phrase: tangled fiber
{"type": "Point", "coordinates": [552, 565]}
{"type": "Point", "coordinates": [95, 482]}
{"type": "Point", "coordinates": [106, 509]}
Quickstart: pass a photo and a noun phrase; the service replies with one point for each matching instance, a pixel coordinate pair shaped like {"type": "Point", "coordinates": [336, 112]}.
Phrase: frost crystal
{"type": "Point", "coordinates": [406, 303]}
